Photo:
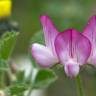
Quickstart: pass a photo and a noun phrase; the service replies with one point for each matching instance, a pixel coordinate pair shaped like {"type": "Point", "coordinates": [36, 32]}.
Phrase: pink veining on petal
{"type": "Point", "coordinates": [46, 55]}
{"type": "Point", "coordinates": [90, 29]}
{"type": "Point", "coordinates": [90, 33]}
{"type": "Point", "coordinates": [72, 70]}
{"type": "Point", "coordinates": [43, 55]}
{"type": "Point", "coordinates": [72, 45]}
{"type": "Point", "coordinates": [50, 32]}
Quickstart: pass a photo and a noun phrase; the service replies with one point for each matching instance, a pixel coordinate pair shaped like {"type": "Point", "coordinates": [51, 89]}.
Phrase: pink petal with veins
{"type": "Point", "coordinates": [50, 32]}
{"type": "Point", "coordinates": [72, 46]}
{"type": "Point", "coordinates": [90, 33]}
{"type": "Point", "coordinates": [72, 70]}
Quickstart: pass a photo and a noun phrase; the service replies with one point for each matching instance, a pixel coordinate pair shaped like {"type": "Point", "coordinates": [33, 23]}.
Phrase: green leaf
{"type": "Point", "coordinates": [3, 65]}
{"type": "Point", "coordinates": [44, 78]}
{"type": "Point", "coordinates": [38, 38]}
{"type": "Point", "coordinates": [20, 76]}
{"type": "Point", "coordinates": [3, 70]}
{"type": "Point", "coordinates": [16, 89]}
{"type": "Point", "coordinates": [90, 69]}
{"type": "Point", "coordinates": [7, 42]}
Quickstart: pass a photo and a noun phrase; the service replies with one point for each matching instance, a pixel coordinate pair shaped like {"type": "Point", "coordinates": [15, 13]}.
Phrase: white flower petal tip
{"type": "Point", "coordinates": [43, 55]}
{"type": "Point", "coordinates": [72, 70]}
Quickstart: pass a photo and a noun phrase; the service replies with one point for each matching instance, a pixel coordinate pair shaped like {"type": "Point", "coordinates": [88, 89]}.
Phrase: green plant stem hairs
{"type": "Point", "coordinates": [79, 86]}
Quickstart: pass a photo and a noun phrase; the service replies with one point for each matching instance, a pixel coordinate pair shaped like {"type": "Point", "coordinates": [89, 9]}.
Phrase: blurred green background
{"type": "Point", "coordinates": [65, 14]}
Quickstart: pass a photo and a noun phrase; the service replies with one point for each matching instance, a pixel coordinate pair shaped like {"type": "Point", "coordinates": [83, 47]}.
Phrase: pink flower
{"type": "Point", "coordinates": [73, 50]}
{"type": "Point", "coordinates": [70, 48]}
{"type": "Point", "coordinates": [90, 33]}
{"type": "Point", "coordinates": [46, 55]}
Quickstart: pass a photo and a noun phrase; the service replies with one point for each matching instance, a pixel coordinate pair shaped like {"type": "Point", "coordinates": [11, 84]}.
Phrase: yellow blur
{"type": "Point", "coordinates": [5, 8]}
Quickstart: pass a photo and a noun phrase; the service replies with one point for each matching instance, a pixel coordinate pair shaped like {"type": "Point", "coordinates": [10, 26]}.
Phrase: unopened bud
{"type": "Point", "coordinates": [5, 8]}
{"type": "Point", "coordinates": [2, 93]}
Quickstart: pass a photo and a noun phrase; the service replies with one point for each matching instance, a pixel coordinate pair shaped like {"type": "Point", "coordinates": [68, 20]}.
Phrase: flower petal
{"type": "Point", "coordinates": [71, 44]}
{"type": "Point", "coordinates": [72, 70]}
{"type": "Point", "coordinates": [90, 33]}
{"type": "Point", "coordinates": [50, 32]}
{"type": "Point", "coordinates": [90, 29]}
{"type": "Point", "coordinates": [43, 55]}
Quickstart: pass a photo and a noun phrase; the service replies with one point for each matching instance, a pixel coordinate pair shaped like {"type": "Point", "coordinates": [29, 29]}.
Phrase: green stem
{"type": "Point", "coordinates": [30, 91]}
{"type": "Point", "coordinates": [31, 86]}
{"type": "Point", "coordinates": [2, 80]}
{"type": "Point", "coordinates": [79, 86]}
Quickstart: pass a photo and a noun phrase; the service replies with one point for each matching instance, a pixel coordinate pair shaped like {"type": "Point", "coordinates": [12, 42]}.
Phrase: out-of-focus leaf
{"type": "Point", "coordinates": [8, 25]}
{"type": "Point", "coordinates": [16, 89]}
{"type": "Point", "coordinates": [7, 42]}
{"type": "Point", "coordinates": [3, 65]}
{"type": "Point", "coordinates": [90, 69]}
{"type": "Point", "coordinates": [20, 76]}
{"type": "Point", "coordinates": [38, 37]}
{"type": "Point", "coordinates": [43, 78]}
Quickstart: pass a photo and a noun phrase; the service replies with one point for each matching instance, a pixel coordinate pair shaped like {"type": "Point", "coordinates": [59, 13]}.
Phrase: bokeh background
{"type": "Point", "coordinates": [65, 14]}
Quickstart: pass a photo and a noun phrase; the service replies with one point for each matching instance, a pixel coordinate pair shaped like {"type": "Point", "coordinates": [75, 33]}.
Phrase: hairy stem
{"type": "Point", "coordinates": [79, 86]}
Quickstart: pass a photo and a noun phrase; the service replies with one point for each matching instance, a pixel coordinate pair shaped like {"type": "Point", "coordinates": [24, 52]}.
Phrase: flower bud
{"type": "Point", "coordinates": [2, 93]}
{"type": "Point", "coordinates": [5, 8]}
